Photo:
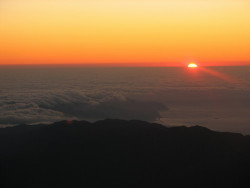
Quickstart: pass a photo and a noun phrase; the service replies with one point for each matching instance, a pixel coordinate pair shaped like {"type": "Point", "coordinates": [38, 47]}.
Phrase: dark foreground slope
{"type": "Point", "coordinates": [116, 153]}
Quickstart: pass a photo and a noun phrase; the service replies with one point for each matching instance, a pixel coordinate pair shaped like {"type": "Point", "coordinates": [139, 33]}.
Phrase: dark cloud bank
{"type": "Point", "coordinates": [114, 108]}
{"type": "Point", "coordinates": [74, 105]}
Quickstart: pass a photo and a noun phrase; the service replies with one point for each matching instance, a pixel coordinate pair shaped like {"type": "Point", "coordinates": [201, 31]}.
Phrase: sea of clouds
{"type": "Point", "coordinates": [171, 96]}
{"type": "Point", "coordinates": [52, 107]}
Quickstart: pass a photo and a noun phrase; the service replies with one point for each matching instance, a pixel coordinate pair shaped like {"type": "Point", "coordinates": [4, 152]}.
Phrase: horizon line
{"type": "Point", "coordinates": [124, 64]}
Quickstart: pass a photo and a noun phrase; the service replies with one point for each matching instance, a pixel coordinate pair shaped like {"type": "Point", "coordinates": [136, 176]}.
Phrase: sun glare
{"type": "Point", "coordinates": [192, 65]}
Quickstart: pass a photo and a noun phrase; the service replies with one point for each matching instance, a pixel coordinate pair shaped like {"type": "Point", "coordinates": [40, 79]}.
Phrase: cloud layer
{"type": "Point", "coordinates": [76, 105]}
{"type": "Point", "coordinates": [171, 96]}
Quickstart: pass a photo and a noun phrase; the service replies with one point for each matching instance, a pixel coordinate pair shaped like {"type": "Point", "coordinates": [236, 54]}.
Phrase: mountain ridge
{"type": "Point", "coordinates": [122, 153]}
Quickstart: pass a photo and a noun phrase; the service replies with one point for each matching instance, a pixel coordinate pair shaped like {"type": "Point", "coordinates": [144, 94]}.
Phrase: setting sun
{"type": "Point", "coordinates": [192, 65]}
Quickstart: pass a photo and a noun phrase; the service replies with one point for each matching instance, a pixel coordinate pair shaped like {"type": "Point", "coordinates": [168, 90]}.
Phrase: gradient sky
{"type": "Point", "coordinates": [173, 32]}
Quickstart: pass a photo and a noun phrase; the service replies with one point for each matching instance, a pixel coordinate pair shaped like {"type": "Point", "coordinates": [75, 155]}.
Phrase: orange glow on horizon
{"type": "Point", "coordinates": [125, 32]}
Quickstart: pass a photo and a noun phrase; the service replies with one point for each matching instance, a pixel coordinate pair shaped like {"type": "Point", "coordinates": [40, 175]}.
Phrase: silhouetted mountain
{"type": "Point", "coordinates": [118, 153]}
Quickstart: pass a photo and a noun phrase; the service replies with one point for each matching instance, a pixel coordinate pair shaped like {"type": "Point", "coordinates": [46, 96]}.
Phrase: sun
{"type": "Point", "coordinates": [192, 65]}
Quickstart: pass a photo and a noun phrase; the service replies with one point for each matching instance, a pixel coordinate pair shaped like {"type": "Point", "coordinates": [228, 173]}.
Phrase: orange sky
{"type": "Point", "coordinates": [157, 32]}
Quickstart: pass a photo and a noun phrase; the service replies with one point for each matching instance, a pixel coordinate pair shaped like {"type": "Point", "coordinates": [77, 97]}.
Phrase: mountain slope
{"type": "Point", "coordinates": [119, 153]}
